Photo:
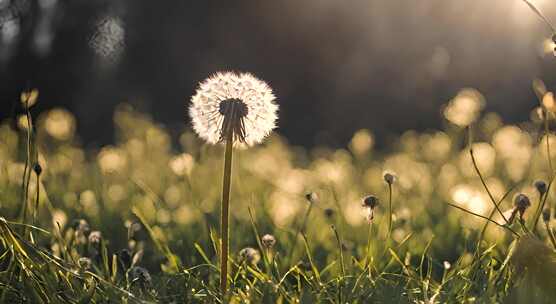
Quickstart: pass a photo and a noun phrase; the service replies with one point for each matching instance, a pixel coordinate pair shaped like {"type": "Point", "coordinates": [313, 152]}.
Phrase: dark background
{"type": "Point", "coordinates": [335, 66]}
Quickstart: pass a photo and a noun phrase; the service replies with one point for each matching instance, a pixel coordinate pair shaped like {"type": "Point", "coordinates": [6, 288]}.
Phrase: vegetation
{"type": "Point", "coordinates": [137, 221]}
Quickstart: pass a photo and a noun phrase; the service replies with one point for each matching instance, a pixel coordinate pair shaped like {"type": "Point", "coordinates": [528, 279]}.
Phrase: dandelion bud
{"type": "Point", "coordinates": [268, 240]}
{"type": "Point", "coordinates": [84, 263]}
{"type": "Point", "coordinates": [447, 265]}
{"type": "Point", "coordinates": [95, 237]}
{"type": "Point", "coordinates": [329, 213]}
{"type": "Point", "coordinates": [249, 255]}
{"type": "Point", "coordinates": [38, 169]}
{"type": "Point", "coordinates": [389, 177]}
{"type": "Point", "coordinates": [541, 187]}
{"type": "Point", "coordinates": [521, 203]}
{"type": "Point", "coordinates": [370, 201]}
{"type": "Point", "coordinates": [546, 215]}
{"type": "Point", "coordinates": [312, 197]}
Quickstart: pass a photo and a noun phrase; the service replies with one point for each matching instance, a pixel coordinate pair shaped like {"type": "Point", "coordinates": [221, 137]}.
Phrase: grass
{"type": "Point", "coordinates": [157, 209]}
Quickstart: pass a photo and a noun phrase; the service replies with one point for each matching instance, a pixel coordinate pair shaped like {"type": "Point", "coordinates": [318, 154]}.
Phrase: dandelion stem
{"type": "Point", "coordinates": [389, 210]}
{"type": "Point", "coordinates": [547, 135]}
{"type": "Point", "coordinates": [550, 234]}
{"type": "Point", "coordinates": [300, 228]}
{"type": "Point", "coordinates": [474, 161]}
{"type": "Point", "coordinates": [342, 267]}
{"type": "Point", "coordinates": [483, 231]}
{"type": "Point", "coordinates": [367, 258]}
{"type": "Point", "coordinates": [484, 217]}
{"type": "Point", "coordinates": [540, 207]}
{"type": "Point", "coordinates": [225, 215]}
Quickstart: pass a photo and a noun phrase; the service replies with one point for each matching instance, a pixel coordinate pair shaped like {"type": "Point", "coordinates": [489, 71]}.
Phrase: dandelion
{"type": "Point", "coordinates": [235, 109]}
{"type": "Point", "coordinates": [268, 240]}
{"type": "Point", "coordinates": [37, 169]}
{"type": "Point", "coordinates": [95, 237]}
{"type": "Point", "coordinates": [329, 213]}
{"type": "Point", "coordinates": [312, 197]}
{"type": "Point", "coordinates": [389, 177]}
{"type": "Point", "coordinates": [369, 203]}
{"type": "Point", "coordinates": [236, 106]}
{"type": "Point", "coordinates": [249, 255]}
{"type": "Point", "coordinates": [546, 215]}
{"type": "Point", "coordinates": [521, 203]}
{"type": "Point", "coordinates": [541, 187]}
{"type": "Point", "coordinates": [84, 263]}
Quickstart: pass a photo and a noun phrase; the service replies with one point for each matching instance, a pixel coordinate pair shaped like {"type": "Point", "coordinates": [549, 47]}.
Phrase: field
{"type": "Point", "coordinates": [459, 215]}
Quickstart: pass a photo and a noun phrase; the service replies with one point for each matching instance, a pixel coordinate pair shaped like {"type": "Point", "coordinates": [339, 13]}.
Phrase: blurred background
{"type": "Point", "coordinates": [383, 65]}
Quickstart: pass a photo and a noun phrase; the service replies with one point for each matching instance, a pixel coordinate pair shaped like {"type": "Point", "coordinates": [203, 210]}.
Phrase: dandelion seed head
{"type": "Point", "coordinates": [95, 237]}
{"type": "Point", "coordinates": [236, 105]}
{"type": "Point", "coordinates": [389, 177]}
{"type": "Point", "coordinates": [249, 255]}
{"type": "Point", "coordinates": [268, 240]}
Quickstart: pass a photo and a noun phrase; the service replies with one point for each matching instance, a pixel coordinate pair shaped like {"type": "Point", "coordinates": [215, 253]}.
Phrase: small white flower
{"type": "Point", "coordinates": [238, 106]}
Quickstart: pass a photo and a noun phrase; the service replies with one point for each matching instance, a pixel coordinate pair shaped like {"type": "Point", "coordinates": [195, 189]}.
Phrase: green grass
{"type": "Point", "coordinates": [159, 217]}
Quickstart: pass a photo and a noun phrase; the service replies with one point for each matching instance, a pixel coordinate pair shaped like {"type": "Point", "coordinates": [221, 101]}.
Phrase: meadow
{"type": "Point", "coordinates": [459, 215]}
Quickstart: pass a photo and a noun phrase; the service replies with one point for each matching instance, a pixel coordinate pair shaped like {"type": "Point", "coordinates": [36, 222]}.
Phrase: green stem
{"type": "Point", "coordinates": [342, 266]}
{"type": "Point", "coordinates": [550, 234]}
{"type": "Point", "coordinates": [389, 211]}
{"type": "Point", "coordinates": [540, 207]}
{"type": "Point", "coordinates": [476, 167]}
{"type": "Point", "coordinates": [300, 229]}
{"type": "Point", "coordinates": [225, 216]}
{"type": "Point", "coordinates": [367, 258]}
